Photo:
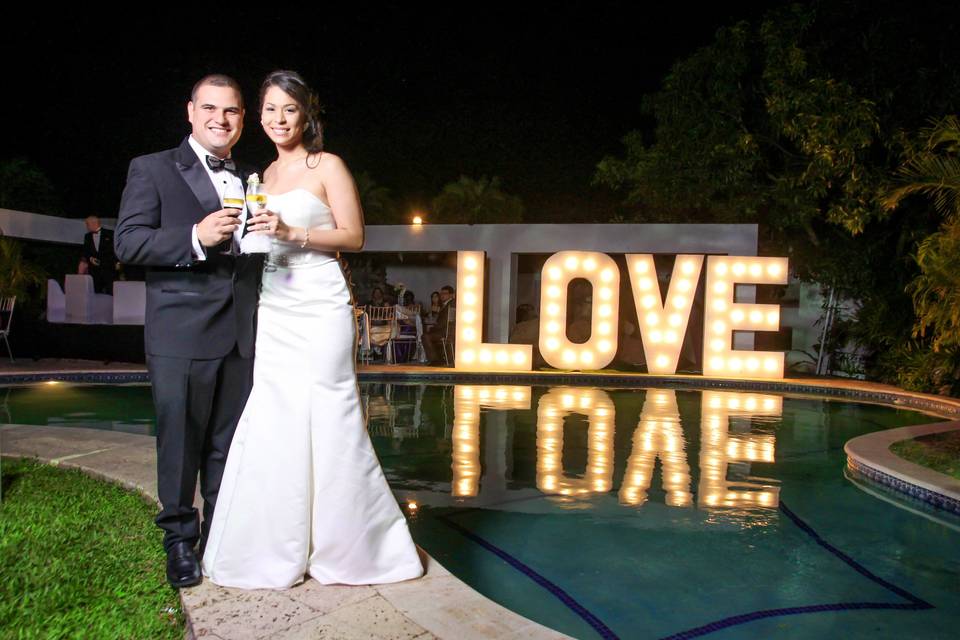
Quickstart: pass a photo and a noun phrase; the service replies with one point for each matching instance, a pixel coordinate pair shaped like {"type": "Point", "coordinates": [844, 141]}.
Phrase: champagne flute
{"type": "Point", "coordinates": [232, 199]}
{"type": "Point", "coordinates": [255, 241]}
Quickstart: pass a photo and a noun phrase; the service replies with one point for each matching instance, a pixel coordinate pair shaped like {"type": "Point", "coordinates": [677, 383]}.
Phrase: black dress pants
{"type": "Point", "coordinates": [198, 405]}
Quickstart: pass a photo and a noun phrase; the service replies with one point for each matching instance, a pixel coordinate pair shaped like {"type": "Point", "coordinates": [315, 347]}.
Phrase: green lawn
{"type": "Point", "coordinates": [80, 558]}
{"type": "Point", "coordinates": [940, 452]}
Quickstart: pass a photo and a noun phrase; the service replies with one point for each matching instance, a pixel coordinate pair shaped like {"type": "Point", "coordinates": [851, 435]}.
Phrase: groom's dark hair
{"type": "Point", "coordinates": [217, 80]}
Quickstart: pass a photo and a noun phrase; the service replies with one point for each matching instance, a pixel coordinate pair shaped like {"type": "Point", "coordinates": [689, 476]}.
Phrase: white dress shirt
{"type": "Point", "coordinates": [221, 180]}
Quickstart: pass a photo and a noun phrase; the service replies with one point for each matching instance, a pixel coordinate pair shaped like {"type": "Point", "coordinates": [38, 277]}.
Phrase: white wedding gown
{"type": "Point", "coordinates": [303, 491]}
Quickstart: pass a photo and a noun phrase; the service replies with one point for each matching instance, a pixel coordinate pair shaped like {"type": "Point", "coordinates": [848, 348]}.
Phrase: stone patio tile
{"type": "Point", "coordinates": [371, 619]}
{"type": "Point", "coordinates": [327, 598]}
{"type": "Point", "coordinates": [449, 609]}
{"type": "Point", "coordinates": [251, 614]}
{"type": "Point", "coordinates": [206, 594]}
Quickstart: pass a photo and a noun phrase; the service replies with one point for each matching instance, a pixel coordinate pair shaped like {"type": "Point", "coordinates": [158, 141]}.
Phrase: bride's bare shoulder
{"type": "Point", "coordinates": [329, 162]}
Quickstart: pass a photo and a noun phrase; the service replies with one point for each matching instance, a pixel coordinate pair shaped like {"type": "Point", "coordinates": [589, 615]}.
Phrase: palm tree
{"type": "Point", "coordinates": [25, 187]}
{"type": "Point", "coordinates": [16, 274]}
{"type": "Point", "coordinates": [476, 201]}
{"type": "Point", "coordinates": [377, 202]}
{"type": "Point", "coordinates": [932, 169]}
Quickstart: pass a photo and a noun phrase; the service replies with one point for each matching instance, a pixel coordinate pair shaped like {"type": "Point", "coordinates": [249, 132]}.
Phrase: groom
{"type": "Point", "coordinates": [200, 315]}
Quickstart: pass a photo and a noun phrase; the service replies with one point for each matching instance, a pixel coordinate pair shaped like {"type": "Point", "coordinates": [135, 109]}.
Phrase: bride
{"type": "Point", "coordinates": [303, 492]}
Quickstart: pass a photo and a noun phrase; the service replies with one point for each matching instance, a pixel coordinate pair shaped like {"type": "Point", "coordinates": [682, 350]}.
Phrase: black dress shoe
{"type": "Point", "coordinates": [183, 569]}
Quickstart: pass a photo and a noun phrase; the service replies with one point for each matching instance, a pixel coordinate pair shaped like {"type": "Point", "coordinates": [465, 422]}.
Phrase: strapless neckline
{"type": "Point", "coordinates": [304, 190]}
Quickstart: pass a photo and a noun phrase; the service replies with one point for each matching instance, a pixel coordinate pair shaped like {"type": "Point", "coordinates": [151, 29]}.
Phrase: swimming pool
{"type": "Point", "coordinates": [652, 513]}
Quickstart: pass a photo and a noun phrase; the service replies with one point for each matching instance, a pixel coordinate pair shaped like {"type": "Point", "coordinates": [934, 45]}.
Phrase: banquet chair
{"type": "Point", "coordinates": [449, 337]}
{"type": "Point", "coordinates": [6, 318]}
{"type": "Point", "coordinates": [383, 328]}
{"type": "Point", "coordinates": [364, 352]}
{"type": "Point", "coordinates": [412, 340]}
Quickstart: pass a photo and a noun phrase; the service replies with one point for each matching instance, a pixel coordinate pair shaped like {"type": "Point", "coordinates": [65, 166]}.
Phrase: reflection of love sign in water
{"type": "Point", "coordinates": [662, 322]}
{"type": "Point", "coordinates": [725, 440]}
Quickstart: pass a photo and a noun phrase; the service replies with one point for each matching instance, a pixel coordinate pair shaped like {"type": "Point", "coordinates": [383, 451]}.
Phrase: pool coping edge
{"type": "Point", "coordinates": [870, 456]}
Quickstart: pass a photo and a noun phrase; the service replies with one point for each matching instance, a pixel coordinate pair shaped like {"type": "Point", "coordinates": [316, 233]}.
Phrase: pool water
{"type": "Point", "coordinates": [639, 513]}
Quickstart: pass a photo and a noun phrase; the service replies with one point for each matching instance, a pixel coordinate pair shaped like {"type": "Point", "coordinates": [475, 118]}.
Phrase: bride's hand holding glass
{"type": "Point", "coordinates": [269, 223]}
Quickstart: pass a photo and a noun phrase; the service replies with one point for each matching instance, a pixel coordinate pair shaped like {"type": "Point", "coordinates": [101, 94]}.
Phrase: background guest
{"type": "Point", "coordinates": [376, 298]}
{"type": "Point", "coordinates": [440, 332]}
{"type": "Point", "coordinates": [430, 313]}
{"type": "Point", "coordinates": [98, 258]}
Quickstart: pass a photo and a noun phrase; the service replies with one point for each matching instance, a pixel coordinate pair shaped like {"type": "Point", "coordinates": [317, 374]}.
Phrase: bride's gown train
{"type": "Point", "coordinates": [303, 491]}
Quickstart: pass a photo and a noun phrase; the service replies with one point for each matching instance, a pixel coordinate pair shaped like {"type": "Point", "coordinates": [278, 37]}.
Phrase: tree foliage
{"type": "Point", "coordinates": [931, 168]}
{"type": "Point", "coordinates": [17, 275]}
{"type": "Point", "coordinates": [24, 187]}
{"type": "Point", "coordinates": [377, 201]}
{"type": "Point", "coordinates": [798, 122]}
{"type": "Point", "coordinates": [475, 201]}
{"type": "Point", "coordinates": [750, 129]}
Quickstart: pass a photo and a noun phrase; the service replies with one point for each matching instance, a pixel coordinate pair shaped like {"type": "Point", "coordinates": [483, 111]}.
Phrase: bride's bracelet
{"type": "Point", "coordinates": [306, 238]}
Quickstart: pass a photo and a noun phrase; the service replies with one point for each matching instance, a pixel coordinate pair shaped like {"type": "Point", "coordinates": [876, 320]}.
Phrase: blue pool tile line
{"type": "Point", "coordinates": [913, 603]}
{"type": "Point", "coordinates": [753, 616]}
{"type": "Point", "coordinates": [556, 591]}
{"type": "Point", "coordinates": [85, 377]}
{"type": "Point", "coordinates": [915, 492]}
{"type": "Point", "coordinates": [850, 562]}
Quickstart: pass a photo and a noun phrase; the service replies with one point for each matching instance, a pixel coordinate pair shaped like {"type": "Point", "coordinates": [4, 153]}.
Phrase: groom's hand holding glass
{"type": "Point", "coordinates": [218, 226]}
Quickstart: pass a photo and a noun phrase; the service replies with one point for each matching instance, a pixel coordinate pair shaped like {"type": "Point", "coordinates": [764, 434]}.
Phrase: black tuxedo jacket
{"type": "Point", "coordinates": [195, 309]}
{"type": "Point", "coordinates": [105, 253]}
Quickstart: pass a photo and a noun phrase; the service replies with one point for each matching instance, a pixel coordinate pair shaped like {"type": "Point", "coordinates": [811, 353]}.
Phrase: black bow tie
{"type": "Point", "coordinates": [216, 164]}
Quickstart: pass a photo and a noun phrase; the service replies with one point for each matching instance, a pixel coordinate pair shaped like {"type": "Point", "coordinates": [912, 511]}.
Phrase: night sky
{"type": "Point", "coordinates": [536, 95]}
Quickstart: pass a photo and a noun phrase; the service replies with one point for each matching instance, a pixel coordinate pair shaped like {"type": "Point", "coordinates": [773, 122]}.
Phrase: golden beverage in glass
{"type": "Point", "coordinates": [255, 241]}
{"type": "Point", "coordinates": [256, 201]}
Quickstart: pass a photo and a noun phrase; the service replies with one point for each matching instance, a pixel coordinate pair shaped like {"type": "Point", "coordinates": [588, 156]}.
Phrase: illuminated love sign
{"type": "Point", "coordinates": [726, 440]}
{"type": "Point", "coordinates": [662, 322]}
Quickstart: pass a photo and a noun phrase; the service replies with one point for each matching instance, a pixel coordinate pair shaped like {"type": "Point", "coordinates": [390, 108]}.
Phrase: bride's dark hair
{"type": "Point", "coordinates": [293, 84]}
